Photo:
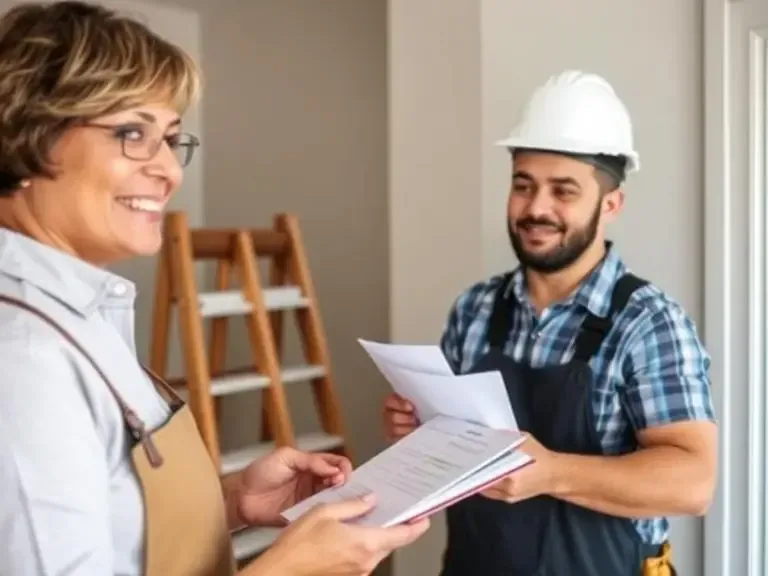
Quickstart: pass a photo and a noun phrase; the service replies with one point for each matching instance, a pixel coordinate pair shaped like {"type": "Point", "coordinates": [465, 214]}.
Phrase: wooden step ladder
{"type": "Point", "coordinates": [236, 253]}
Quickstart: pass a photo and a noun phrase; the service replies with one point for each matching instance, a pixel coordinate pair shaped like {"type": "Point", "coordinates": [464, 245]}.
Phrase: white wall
{"type": "Point", "coordinates": [450, 102]}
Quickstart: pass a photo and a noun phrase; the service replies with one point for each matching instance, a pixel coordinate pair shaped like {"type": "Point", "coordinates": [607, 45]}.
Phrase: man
{"type": "Point", "coordinates": [606, 374]}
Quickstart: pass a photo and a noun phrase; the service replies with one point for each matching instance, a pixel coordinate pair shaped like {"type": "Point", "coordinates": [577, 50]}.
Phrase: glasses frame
{"type": "Point", "coordinates": [154, 148]}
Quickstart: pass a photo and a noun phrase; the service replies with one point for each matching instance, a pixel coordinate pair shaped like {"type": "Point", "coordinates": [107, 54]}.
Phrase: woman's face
{"type": "Point", "coordinates": [104, 205]}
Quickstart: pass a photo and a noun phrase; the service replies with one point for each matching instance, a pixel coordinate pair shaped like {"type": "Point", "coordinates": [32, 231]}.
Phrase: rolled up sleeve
{"type": "Point", "coordinates": [54, 517]}
{"type": "Point", "coordinates": [666, 372]}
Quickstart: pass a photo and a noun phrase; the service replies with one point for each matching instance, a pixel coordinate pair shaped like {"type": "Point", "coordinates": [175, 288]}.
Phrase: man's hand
{"type": "Point", "coordinates": [534, 479]}
{"type": "Point", "coordinates": [399, 417]}
{"type": "Point", "coordinates": [672, 473]}
{"type": "Point", "coordinates": [283, 478]}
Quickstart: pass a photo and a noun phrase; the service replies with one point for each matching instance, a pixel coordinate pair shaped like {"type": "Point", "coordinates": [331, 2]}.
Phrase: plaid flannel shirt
{"type": "Point", "coordinates": [651, 370]}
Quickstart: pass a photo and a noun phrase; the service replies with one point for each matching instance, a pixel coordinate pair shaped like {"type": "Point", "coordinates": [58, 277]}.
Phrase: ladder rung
{"type": "Point", "coordinates": [233, 302]}
{"type": "Point", "coordinates": [245, 379]}
{"type": "Point", "coordinates": [223, 303]}
{"type": "Point", "coordinates": [283, 297]}
{"type": "Point", "coordinates": [237, 460]}
{"type": "Point", "coordinates": [303, 372]}
{"type": "Point", "coordinates": [232, 384]}
{"type": "Point", "coordinates": [251, 541]}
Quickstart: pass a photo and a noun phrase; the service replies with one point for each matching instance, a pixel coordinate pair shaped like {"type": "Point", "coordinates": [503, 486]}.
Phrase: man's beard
{"type": "Point", "coordinates": [560, 257]}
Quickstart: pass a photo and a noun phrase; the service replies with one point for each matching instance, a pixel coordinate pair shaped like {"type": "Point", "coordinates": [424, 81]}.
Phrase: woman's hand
{"type": "Point", "coordinates": [322, 543]}
{"type": "Point", "coordinates": [283, 478]}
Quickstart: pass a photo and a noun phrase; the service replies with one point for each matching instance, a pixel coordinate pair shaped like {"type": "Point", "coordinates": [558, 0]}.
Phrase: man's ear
{"type": "Point", "coordinates": [613, 202]}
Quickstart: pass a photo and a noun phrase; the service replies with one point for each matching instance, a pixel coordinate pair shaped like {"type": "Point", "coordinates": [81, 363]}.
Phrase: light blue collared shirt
{"type": "Point", "coordinates": [69, 500]}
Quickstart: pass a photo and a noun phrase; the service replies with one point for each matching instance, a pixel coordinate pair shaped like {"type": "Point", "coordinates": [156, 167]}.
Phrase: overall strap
{"type": "Point", "coordinates": [594, 329]}
{"type": "Point", "coordinates": [498, 325]}
{"type": "Point", "coordinates": [132, 421]}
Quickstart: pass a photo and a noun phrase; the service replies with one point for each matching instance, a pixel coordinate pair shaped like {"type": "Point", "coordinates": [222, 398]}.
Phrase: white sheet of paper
{"type": "Point", "coordinates": [418, 357]}
{"type": "Point", "coordinates": [409, 477]}
{"type": "Point", "coordinates": [480, 398]}
{"type": "Point", "coordinates": [422, 375]}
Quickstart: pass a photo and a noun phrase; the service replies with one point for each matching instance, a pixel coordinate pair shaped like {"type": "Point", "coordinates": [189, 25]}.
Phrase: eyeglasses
{"type": "Point", "coordinates": [142, 141]}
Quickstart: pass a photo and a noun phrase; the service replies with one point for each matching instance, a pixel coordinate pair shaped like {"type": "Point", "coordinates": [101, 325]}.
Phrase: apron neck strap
{"type": "Point", "coordinates": [135, 425]}
{"type": "Point", "coordinates": [594, 328]}
{"type": "Point", "coordinates": [501, 314]}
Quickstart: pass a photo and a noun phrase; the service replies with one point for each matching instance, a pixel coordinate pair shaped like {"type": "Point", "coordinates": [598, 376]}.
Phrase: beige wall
{"type": "Point", "coordinates": [449, 104]}
{"type": "Point", "coordinates": [295, 108]}
{"type": "Point", "coordinates": [182, 26]}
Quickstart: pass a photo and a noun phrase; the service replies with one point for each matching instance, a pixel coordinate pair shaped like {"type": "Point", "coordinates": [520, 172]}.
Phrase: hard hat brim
{"type": "Point", "coordinates": [512, 143]}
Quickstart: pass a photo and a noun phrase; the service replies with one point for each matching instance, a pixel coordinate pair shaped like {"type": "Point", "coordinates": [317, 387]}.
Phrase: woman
{"type": "Point", "coordinates": [101, 468]}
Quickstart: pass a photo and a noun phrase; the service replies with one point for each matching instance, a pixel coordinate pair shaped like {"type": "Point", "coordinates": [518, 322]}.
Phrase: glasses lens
{"type": "Point", "coordinates": [145, 148]}
{"type": "Point", "coordinates": [185, 148]}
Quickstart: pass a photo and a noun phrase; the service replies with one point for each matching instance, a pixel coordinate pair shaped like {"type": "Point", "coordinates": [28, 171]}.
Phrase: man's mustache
{"type": "Point", "coordinates": [530, 222]}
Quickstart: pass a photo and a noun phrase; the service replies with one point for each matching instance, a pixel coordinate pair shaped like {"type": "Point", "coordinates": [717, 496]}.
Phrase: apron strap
{"type": "Point", "coordinates": [594, 329]}
{"type": "Point", "coordinates": [498, 325]}
{"type": "Point", "coordinates": [135, 425]}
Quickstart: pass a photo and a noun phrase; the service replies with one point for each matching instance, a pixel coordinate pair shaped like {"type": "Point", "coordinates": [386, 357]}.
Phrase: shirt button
{"type": "Point", "coordinates": [119, 289]}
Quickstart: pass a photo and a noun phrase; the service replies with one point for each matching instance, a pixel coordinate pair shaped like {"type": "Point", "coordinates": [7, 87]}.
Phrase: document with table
{"type": "Point", "coordinates": [468, 439]}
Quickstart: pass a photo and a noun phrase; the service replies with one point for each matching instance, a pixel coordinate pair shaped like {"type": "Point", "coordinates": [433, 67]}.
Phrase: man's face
{"type": "Point", "coordinates": [556, 210]}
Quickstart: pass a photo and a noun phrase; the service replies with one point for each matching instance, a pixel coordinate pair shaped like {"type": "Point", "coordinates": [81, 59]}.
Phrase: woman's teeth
{"type": "Point", "coordinates": [142, 204]}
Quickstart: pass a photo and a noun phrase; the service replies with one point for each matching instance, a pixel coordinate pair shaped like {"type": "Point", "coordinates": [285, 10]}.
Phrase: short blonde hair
{"type": "Point", "coordinates": [66, 62]}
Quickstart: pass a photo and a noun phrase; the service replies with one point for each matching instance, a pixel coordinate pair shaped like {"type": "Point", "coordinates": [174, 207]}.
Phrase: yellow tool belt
{"type": "Point", "coordinates": [660, 565]}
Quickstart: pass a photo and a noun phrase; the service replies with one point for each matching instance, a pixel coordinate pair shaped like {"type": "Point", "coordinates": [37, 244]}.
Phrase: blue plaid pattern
{"type": "Point", "coordinates": [652, 368]}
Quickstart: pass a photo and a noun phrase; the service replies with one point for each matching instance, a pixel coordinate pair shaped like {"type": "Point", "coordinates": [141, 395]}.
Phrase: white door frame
{"type": "Point", "coordinates": [717, 524]}
{"type": "Point", "coordinates": [735, 73]}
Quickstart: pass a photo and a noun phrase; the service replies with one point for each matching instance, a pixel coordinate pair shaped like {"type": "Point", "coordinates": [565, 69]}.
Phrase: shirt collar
{"type": "Point", "coordinates": [75, 283]}
{"type": "Point", "coordinates": [594, 292]}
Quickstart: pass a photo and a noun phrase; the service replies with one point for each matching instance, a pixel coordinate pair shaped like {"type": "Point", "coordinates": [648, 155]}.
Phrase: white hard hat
{"type": "Point", "coordinates": [576, 112]}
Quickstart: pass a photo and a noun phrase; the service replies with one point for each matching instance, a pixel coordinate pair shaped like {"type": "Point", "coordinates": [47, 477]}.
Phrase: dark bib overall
{"type": "Point", "coordinates": [544, 536]}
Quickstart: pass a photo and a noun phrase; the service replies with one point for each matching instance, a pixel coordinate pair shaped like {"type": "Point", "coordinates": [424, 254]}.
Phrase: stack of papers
{"type": "Point", "coordinates": [468, 440]}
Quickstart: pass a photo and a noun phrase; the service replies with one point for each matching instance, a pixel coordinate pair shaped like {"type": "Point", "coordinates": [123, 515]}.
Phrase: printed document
{"type": "Point", "coordinates": [467, 440]}
{"type": "Point", "coordinates": [444, 460]}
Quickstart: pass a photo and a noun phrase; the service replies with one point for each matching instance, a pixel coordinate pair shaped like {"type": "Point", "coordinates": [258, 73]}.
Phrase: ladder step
{"type": "Point", "coordinates": [284, 297]}
{"type": "Point", "coordinates": [237, 460]}
{"type": "Point", "coordinates": [251, 541]}
{"type": "Point", "coordinates": [233, 302]}
{"type": "Point", "coordinates": [234, 383]}
{"type": "Point", "coordinates": [245, 379]}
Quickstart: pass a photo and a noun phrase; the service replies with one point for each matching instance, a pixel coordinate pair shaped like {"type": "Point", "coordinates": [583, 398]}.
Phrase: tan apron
{"type": "Point", "coordinates": [186, 531]}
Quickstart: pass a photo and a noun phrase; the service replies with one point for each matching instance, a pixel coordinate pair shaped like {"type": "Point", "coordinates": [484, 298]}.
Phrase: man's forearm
{"type": "Point", "coordinates": [230, 487]}
{"type": "Point", "coordinates": [657, 481]}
